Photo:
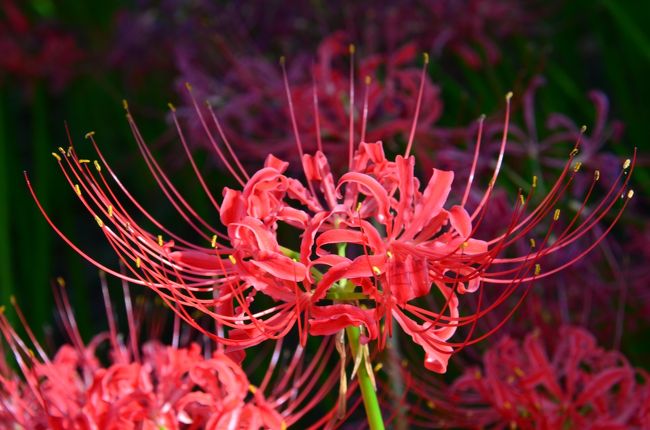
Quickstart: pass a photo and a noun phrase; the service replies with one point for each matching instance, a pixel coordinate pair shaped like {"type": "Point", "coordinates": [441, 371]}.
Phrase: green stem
{"type": "Point", "coordinates": [370, 401]}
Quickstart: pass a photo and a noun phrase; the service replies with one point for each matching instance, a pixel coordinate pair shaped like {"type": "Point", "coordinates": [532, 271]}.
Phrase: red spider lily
{"type": "Point", "coordinates": [374, 247]}
{"type": "Point", "coordinates": [533, 385]}
{"type": "Point", "coordinates": [155, 386]}
{"type": "Point", "coordinates": [389, 83]}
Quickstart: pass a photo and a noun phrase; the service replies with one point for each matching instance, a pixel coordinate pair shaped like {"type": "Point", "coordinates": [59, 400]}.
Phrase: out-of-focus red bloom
{"type": "Point", "coordinates": [32, 53]}
{"type": "Point", "coordinates": [370, 247]}
{"type": "Point", "coordinates": [567, 382]}
{"type": "Point", "coordinates": [154, 386]}
{"type": "Point", "coordinates": [247, 101]}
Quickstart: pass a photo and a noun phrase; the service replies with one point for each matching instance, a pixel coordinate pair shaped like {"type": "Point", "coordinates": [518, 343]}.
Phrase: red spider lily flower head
{"type": "Point", "coordinates": [373, 247]}
{"type": "Point", "coordinates": [564, 382]}
{"type": "Point", "coordinates": [155, 386]}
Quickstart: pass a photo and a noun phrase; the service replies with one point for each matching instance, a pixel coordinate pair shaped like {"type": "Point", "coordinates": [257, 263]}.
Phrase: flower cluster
{"type": "Point", "coordinates": [154, 386]}
{"type": "Point", "coordinates": [566, 382]}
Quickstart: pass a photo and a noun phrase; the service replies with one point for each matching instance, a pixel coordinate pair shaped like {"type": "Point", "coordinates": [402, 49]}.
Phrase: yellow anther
{"type": "Point", "coordinates": [627, 163]}
{"type": "Point", "coordinates": [630, 194]}
{"type": "Point", "coordinates": [138, 262]}
{"type": "Point", "coordinates": [538, 269]}
{"type": "Point", "coordinates": [513, 425]}
{"type": "Point", "coordinates": [89, 134]}
{"type": "Point", "coordinates": [61, 150]}
{"type": "Point", "coordinates": [376, 270]}
{"type": "Point", "coordinates": [577, 167]}
{"type": "Point", "coordinates": [378, 367]}
{"type": "Point", "coordinates": [477, 374]}
{"type": "Point", "coordinates": [509, 96]}
{"type": "Point", "coordinates": [507, 405]}
{"type": "Point", "coordinates": [431, 405]}
{"type": "Point", "coordinates": [425, 55]}
{"type": "Point", "coordinates": [55, 155]}
{"type": "Point", "coordinates": [214, 241]}
{"type": "Point", "coordinates": [532, 243]}
{"type": "Point", "coordinates": [171, 107]}
{"type": "Point", "coordinates": [583, 129]}
{"type": "Point", "coordinates": [69, 151]}
{"type": "Point", "coordinates": [97, 166]}
{"type": "Point", "coordinates": [100, 223]}
{"type": "Point", "coordinates": [556, 215]}
{"type": "Point", "coordinates": [84, 161]}
{"type": "Point", "coordinates": [534, 181]}
{"type": "Point", "coordinates": [125, 104]}
{"type": "Point", "coordinates": [519, 372]}
{"type": "Point", "coordinates": [359, 206]}
{"type": "Point", "coordinates": [352, 48]}
{"type": "Point", "coordinates": [404, 362]}
{"type": "Point", "coordinates": [77, 189]}
{"type": "Point", "coordinates": [232, 259]}
{"type": "Point", "coordinates": [464, 245]}
{"type": "Point", "coordinates": [596, 175]}
{"type": "Point", "coordinates": [2, 309]}
{"type": "Point", "coordinates": [188, 86]}
{"type": "Point", "coordinates": [283, 425]}
{"type": "Point", "coordinates": [521, 199]}
{"type": "Point", "coordinates": [160, 240]}
{"type": "Point", "coordinates": [110, 211]}
{"type": "Point", "coordinates": [282, 60]}
{"type": "Point", "coordinates": [252, 388]}
{"type": "Point", "coordinates": [12, 300]}
{"type": "Point", "coordinates": [389, 254]}
{"type": "Point", "coordinates": [368, 80]}
{"type": "Point", "coordinates": [60, 281]}
{"type": "Point", "coordinates": [573, 152]}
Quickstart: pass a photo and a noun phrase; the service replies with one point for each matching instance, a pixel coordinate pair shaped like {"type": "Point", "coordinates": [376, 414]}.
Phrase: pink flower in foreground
{"type": "Point", "coordinates": [155, 386]}
{"type": "Point", "coordinates": [567, 382]}
{"type": "Point", "coordinates": [370, 248]}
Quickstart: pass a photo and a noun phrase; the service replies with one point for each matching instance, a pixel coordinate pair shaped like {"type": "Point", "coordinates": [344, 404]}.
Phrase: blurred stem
{"type": "Point", "coordinates": [40, 263]}
{"type": "Point", "coordinates": [370, 401]}
{"type": "Point", "coordinates": [6, 275]}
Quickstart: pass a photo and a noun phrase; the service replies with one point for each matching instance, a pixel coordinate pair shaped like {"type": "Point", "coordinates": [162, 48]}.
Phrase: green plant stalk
{"type": "Point", "coordinates": [370, 401]}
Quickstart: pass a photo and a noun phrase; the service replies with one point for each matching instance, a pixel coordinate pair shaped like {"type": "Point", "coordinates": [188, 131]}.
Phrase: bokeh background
{"type": "Point", "coordinates": [71, 62]}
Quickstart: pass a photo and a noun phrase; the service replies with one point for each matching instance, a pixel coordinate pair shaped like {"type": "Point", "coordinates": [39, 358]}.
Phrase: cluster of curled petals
{"type": "Point", "coordinates": [169, 388]}
{"type": "Point", "coordinates": [566, 382]}
{"type": "Point", "coordinates": [155, 386]}
{"type": "Point", "coordinates": [32, 52]}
